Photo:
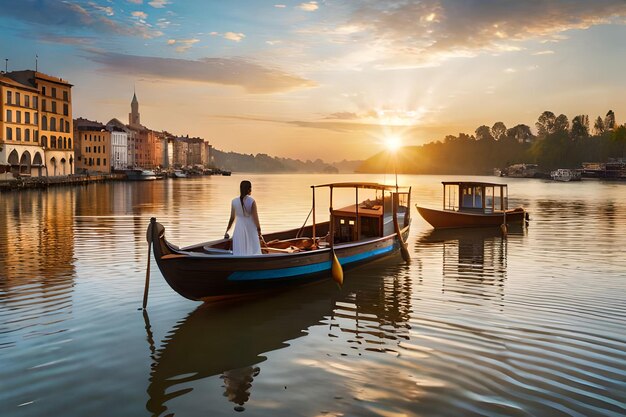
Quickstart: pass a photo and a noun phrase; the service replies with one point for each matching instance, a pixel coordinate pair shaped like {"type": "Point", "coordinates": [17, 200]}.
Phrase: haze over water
{"type": "Point", "coordinates": [530, 325]}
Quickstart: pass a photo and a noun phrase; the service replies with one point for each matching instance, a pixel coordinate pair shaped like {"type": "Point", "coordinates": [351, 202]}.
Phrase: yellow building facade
{"type": "Point", "coordinates": [36, 136]}
{"type": "Point", "coordinates": [93, 147]}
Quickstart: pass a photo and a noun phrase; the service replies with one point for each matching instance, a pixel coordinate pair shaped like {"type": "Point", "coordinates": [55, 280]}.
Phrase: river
{"type": "Point", "coordinates": [533, 324]}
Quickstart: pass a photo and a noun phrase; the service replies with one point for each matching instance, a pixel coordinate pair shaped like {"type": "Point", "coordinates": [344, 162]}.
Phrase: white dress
{"type": "Point", "coordinates": [245, 236]}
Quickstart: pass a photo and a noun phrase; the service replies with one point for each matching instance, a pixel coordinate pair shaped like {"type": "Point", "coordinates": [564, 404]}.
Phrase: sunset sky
{"type": "Point", "coordinates": [325, 79]}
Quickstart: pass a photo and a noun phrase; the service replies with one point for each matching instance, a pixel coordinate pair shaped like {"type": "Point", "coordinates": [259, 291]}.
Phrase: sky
{"type": "Point", "coordinates": [322, 79]}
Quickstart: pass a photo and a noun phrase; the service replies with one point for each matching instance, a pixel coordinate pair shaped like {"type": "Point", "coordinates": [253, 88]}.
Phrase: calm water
{"type": "Point", "coordinates": [531, 325]}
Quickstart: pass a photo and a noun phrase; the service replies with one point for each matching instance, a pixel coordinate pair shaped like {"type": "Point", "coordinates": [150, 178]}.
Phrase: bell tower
{"type": "Point", "coordinates": [133, 116]}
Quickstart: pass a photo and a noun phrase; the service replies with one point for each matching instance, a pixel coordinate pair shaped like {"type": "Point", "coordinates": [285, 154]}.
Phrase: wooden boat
{"type": "Point", "coordinates": [566, 175]}
{"type": "Point", "coordinates": [473, 204]}
{"type": "Point", "coordinates": [141, 175]}
{"type": "Point", "coordinates": [362, 232]}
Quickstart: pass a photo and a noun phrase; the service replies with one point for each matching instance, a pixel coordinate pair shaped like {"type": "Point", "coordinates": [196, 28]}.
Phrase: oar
{"type": "Point", "coordinates": [396, 225]}
{"type": "Point", "coordinates": [147, 285]}
{"type": "Point", "coordinates": [503, 227]}
{"type": "Point", "coordinates": [336, 270]}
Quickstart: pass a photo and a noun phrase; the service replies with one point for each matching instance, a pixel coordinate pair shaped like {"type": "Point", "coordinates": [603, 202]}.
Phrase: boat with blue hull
{"type": "Point", "coordinates": [362, 232]}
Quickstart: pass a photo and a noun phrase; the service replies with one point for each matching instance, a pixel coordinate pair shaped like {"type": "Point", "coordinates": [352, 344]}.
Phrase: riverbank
{"type": "Point", "coordinates": [45, 182]}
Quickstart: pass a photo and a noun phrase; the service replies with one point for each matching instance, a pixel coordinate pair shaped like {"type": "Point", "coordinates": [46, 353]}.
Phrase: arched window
{"type": "Point", "coordinates": [67, 126]}
{"type": "Point", "coordinates": [61, 125]}
{"type": "Point", "coordinates": [53, 141]}
{"type": "Point", "coordinates": [44, 122]}
{"type": "Point", "coordinates": [44, 141]}
{"type": "Point", "coordinates": [65, 143]}
{"type": "Point", "coordinates": [69, 144]}
{"type": "Point", "coordinates": [53, 124]}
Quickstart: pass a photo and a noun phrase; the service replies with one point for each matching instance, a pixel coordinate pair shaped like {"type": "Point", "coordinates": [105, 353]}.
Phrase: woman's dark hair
{"type": "Point", "coordinates": [244, 189]}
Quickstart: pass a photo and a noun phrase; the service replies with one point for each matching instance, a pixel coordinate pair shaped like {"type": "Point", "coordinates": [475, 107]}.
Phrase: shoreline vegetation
{"type": "Point", "coordinates": [558, 144]}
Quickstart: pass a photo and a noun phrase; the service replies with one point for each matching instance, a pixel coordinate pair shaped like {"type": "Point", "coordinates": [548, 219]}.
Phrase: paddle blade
{"type": "Point", "coordinates": [336, 270]}
{"type": "Point", "coordinates": [405, 253]}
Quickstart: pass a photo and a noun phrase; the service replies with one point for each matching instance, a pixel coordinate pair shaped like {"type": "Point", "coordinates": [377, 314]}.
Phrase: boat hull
{"type": "Point", "coordinates": [205, 277]}
{"type": "Point", "coordinates": [445, 219]}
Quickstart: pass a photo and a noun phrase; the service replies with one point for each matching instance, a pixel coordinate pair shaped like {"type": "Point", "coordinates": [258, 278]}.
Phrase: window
{"type": "Point", "coordinates": [36, 118]}
{"type": "Point", "coordinates": [27, 135]}
{"type": "Point", "coordinates": [43, 90]}
{"type": "Point", "coordinates": [66, 96]}
{"type": "Point", "coordinates": [36, 136]}
{"type": "Point", "coordinates": [61, 125]}
{"type": "Point", "coordinates": [66, 109]}
{"type": "Point", "coordinates": [54, 106]}
{"type": "Point", "coordinates": [44, 141]}
{"type": "Point", "coordinates": [27, 101]}
{"type": "Point", "coordinates": [9, 116]}
{"type": "Point", "coordinates": [104, 162]}
{"type": "Point", "coordinates": [17, 99]}
{"type": "Point", "coordinates": [53, 141]}
{"type": "Point", "coordinates": [65, 143]}
{"type": "Point", "coordinates": [67, 126]}
{"type": "Point", "coordinates": [18, 133]}
{"type": "Point", "coordinates": [53, 124]}
{"type": "Point", "coordinates": [43, 105]}
{"type": "Point", "coordinates": [27, 117]}
{"type": "Point", "coordinates": [35, 102]}
{"type": "Point", "coordinates": [69, 143]}
{"type": "Point", "coordinates": [44, 122]}
{"type": "Point", "coordinates": [18, 117]}
{"type": "Point", "coordinates": [54, 92]}
{"type": "Point", "coordinates": [9, 133]}
{"type": "Point", "coordinates": [9, 97]}
{"type": "Point", "coordinates": [98, 161]}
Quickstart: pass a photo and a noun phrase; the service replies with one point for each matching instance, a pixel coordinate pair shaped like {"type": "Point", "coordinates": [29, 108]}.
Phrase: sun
{"type": "Point", "coordinates": [393, 143]}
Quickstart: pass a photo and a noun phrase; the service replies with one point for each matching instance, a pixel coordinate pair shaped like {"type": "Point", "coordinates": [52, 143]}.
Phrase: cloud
{"type": "Point", "coordinates": [65, 16]}
{"type": "Point", "coordinates": [66, 40]}
{"type": "Point", "coordinates": [342, 116]}
{"type": "Point", "coordinates": [182, 45]}
{"type": "Point", "coordinates": [232, 36]}
{"type": "Point", "coordinates": [251, 76]}
{"type": "Point", "coordinates": [309, 7]}
{"type": "Point", "coordinates": [108, 10]}
{"type": "Point", "coordinates": [410, 33]}
{"type": "Point", "coordinates": [158, 4]}
{"type": "Point", "coordinates": [140, 15]}
{"type": "Point", "coordinates": [280, 6]}
{"type": "Point", "coordinates": [547, 52]}
{"type": "Point", "coordinates": [135, 1]}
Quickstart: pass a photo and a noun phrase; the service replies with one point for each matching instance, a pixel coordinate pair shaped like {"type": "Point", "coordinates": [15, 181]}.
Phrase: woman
{"type": "Point", "coordinates": [247, 228]}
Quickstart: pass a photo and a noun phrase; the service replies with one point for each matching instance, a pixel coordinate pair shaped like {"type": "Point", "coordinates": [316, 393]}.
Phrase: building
{"type": "Point", "coordinates": [35, 125]}
{"type": "Point", "coordinates": [93, 146]}
{"type": "Point", "coordinates": [119, 144]}
{"type": "Point", "coordinates": [146, 152]}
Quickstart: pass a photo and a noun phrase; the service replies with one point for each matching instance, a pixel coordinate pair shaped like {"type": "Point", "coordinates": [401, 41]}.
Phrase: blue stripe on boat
{"type": "Point", "coordinates": [305, 269]}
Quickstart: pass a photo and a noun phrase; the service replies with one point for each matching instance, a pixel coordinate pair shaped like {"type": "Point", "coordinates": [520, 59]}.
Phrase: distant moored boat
{"type": "Point", "coordinates": [473, 204]}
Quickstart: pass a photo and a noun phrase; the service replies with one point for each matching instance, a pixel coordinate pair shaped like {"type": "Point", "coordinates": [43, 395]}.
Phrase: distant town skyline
{"type": "Point", "coordinates": [325, 79]}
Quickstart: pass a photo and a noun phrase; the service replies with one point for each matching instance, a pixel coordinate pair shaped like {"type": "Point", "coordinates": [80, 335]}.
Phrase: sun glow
{"type": "Point", "coordinates": [393, 143]}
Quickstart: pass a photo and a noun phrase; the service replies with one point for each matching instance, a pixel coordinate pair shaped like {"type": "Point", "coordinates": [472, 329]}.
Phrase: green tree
{"type": "Point", "coordinates": [483, 133]}
{"type": "Point", "coordinates": [545, 123]}
{"type": "Point", "coordinates": [521, 133]}
{"type": "Point", "coordinates": [598, 126]}
{"type": "Point", "coordinates": [498, 131]}
{"type": "Point", "coordinates": [561, 124]}
{"type": "Point", "coordinates": [609, 120]}
{"type": "Point", "coordinates": [580, 127]}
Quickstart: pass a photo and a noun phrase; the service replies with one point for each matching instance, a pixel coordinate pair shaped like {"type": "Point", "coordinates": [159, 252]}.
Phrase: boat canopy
{"type": "Point", "coordinates": [470, 196]}
{"type": "Point", "coordinates": [365, 185]}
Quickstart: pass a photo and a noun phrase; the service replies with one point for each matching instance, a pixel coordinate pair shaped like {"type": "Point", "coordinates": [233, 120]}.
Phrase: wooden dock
{"type": "Point", "coordinates": [45, 182]}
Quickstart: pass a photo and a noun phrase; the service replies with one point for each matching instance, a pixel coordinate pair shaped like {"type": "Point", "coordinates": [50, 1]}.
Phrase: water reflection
{"type": "Point", "coordinates": [474, 259]}
{"type": "Point", "coordinates": [230, 339]}
{"type": "Point", "coordinates": [37, 262]}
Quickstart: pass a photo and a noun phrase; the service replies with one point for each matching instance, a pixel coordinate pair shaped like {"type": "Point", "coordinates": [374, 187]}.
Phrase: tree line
{"type": "Point", "coordinates": [558, 143]}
